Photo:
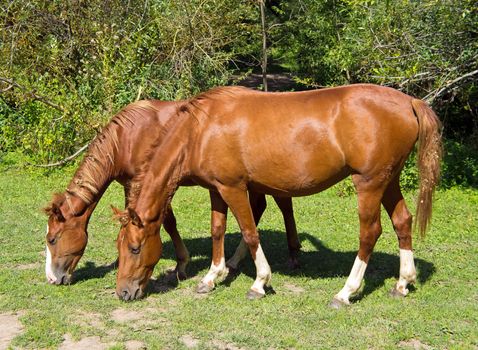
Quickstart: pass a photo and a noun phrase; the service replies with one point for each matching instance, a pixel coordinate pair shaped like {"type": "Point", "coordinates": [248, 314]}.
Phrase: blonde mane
{"type": "Point", "coordinates": [97, 167]}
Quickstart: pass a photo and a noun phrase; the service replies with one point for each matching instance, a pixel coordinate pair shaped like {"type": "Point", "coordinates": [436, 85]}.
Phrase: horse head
{"type": "Point", "coordinates": [139, 247]}
{"type": "Point", "coordinates": [66, 237]}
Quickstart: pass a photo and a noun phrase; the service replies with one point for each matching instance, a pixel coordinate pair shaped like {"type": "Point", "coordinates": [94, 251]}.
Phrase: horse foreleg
{"type": "Point", "coordinates": [394, 203]}
{"type": "Point", "coordinates": [285, 206]}
{"type": "Point", "coordinates": [238, 201]}
{"type": "Point", "coordinates": [218, 267]}
{"type": "Point", "coordinates": [370, 230]}
{"type": "Point", "coordinates": [182, 254]}
{"type": "Point", "coordinates": [258, 205]}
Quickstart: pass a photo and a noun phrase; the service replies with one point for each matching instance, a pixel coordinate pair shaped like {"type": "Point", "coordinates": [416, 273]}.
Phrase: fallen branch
{"type": "Point", "coordinates": [63, 161]}
{"type": "Point", "coordinates": [430, 98]}
{"type": "Point", "coordinates": [32, 94]}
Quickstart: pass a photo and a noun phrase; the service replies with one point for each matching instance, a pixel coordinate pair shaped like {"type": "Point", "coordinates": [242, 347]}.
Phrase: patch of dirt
{"type": "Point", "coordinates": [275, 82]}
{"type": "Point", "coordinates": [134, 345]}
{"type": "Point", "coordinates": [138, 320]}
{"type": "Point", "coordinates": [88, 343]}
{"type": "Point", "coordinates": [124, 316]}
{"type": "Point", "coordinates": [90, 319]}
{"type": "Point", "coordinates": [189, 341]}
{"type": "Point", "coordinates": [414, 344]}
{"type": "Point", "coordinates": [10, 328]}
{"type": "Point", "coordinates": [28, 266]}
{"type": "Point", "coordinates": [293, 288]}
{"type": "Point", "coordinates": [222, 345]}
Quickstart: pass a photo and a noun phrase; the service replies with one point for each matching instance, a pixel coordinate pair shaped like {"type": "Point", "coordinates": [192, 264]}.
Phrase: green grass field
{"type": "Point", "coordinates": [441, 312]}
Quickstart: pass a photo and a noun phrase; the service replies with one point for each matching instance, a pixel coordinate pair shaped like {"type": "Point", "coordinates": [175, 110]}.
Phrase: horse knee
{"type": "Point", "coordinates": [251, 238]}
{"type": "Point", "coordinates": [218, 230]}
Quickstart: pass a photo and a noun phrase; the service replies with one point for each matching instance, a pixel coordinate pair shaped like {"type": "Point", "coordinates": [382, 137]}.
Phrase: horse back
{"type": "Point", "coordinates": [300, 143]}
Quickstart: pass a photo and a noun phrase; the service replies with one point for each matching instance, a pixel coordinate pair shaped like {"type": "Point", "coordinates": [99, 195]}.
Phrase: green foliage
{"type": "Point", "coordinates": [66, 68]}
{"type": "Point", "coordinates": [75, 64]}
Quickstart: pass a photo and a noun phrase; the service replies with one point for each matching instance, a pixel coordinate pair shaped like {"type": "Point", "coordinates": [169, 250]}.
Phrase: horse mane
{"type": "Point", "coordinates": [194, 104]}
{"type": "Point", "coordinates": [98, 165]}
{"type": "Point", "coordinates": [142, 169]}
{"type": "Point", "coordinates": [190, 108]}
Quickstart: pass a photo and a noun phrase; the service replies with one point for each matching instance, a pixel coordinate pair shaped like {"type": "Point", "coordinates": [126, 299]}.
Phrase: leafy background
{"type": "Point", "coordinates": [67, 66]}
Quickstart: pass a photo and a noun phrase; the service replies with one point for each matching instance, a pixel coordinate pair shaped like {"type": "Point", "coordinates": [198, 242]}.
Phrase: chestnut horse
{"type": "Point", "coordinates": [231, 140]}
{"type": "Point", "coordinates": [116, 154]}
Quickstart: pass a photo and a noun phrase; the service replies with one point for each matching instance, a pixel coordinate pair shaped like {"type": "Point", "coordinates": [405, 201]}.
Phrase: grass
{"type": "Point", "coordinates": [441, 312]}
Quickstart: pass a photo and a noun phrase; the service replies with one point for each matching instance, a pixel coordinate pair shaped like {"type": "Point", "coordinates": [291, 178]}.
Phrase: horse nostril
{"type": "Point", "coordinates": [125, 294]}
{"type": "Point", "coordinates": [137, 293]}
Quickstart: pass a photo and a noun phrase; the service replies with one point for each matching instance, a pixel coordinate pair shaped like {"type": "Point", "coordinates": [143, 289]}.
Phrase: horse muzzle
{"type": "Point", "coordinates": [129, 292]}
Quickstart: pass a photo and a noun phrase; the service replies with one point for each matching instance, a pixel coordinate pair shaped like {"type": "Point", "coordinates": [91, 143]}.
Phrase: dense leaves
{"type": "Point", "coordinates": [67, 66]}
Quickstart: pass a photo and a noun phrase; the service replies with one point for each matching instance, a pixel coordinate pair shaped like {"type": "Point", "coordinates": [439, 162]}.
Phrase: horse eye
{"type": "Point", "coordinates": [52, 240]}
{"type": "Point", "coordinates": [134, 250]}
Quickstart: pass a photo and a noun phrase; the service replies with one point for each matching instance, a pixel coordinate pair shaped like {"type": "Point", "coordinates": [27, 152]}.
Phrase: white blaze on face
{"type": "Point", "coordinates": [50, 274]}
{"type": "Point", "coordinates": [353, 281]}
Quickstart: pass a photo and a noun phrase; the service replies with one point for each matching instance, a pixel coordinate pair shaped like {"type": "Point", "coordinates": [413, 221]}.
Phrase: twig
{"type": "Point", "coordinates": [63, 161]}
{"type": "Point", "coordinates": [31, 94]}
{"type": "Point", "coordinates": [430, 98]}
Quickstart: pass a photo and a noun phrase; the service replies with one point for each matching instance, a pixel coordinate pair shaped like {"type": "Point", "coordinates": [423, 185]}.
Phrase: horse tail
{"type": "Point", "coordinates": [428, 161]}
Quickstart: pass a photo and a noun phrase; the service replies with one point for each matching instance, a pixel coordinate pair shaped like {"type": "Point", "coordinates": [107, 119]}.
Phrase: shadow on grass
{"type": "Point", "coordinates": [321, 263]}
{"type": "Point", "coordinates": [91, 271]}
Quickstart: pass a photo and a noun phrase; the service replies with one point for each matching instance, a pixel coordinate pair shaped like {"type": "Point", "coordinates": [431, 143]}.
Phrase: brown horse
{"type": "Point", "coordinates": [116, 154]}
{"type": "Point", "coordinates": [231, 140]}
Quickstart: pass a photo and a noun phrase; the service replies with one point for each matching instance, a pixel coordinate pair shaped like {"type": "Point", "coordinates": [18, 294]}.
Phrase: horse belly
{"type": "Point", "coordinates": [298, 166]}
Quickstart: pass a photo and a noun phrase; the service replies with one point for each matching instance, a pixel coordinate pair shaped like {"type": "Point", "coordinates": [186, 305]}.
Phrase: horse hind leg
{"type": "Point", "coordinates": [397, 210]}
{"type": "Point", "coordinates": [258, 205]}
{"type": "Point", "coordinates": [293, 243]}
{"type": "Point", "coordinates": [370, 230]}
{"type": "Point", "coordinates": [237, 200]}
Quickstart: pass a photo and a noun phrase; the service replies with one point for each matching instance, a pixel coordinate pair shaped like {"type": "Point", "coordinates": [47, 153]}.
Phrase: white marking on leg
{"type": "Point", "coordinates": [353, 281]}
{"type": "Point", "coordinates": [263, 272]}
{"type": "Point", "coordinates": [239, 255]}
{"type": "Point", "coordinates": [408, 273]}
{"type": "Point", "coordinates": [220, 271]}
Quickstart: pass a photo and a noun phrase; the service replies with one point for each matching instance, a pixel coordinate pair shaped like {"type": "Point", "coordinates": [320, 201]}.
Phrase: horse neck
{"type": "Point", "coordinates": [98, 168]}
{"type": "Point", "coordinates": [167, 168]}
{"type": "Point", "coordinates": [76, 206]}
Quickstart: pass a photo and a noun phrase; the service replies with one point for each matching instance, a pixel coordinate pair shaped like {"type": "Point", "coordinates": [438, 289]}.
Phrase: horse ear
{"type": "Point", "coordinates": [55, 210]}
{"type": "Point", "coordinates": [54, 207]}
{"type": "Point", "coordinates": [135, 219]}
{"type": "Point", "coordinates": [121, 216]}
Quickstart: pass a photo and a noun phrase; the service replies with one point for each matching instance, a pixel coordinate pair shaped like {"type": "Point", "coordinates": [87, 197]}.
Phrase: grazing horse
{"type": "Point", "coordinates": [231, 140]}
{"type": "Point", "coordinates": [116, 154]}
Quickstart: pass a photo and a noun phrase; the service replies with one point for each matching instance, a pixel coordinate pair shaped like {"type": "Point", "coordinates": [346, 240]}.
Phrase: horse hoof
{"type": "Point", "coordinates": [204, 288]}
{"type": "Point", "coordinates": [395, 293]}
{"type": "Point", "coordinates": [293, 264]}
{"type": "Point", "coordinates": [254, 295]}
{"type": "Point", "coordinates": [337, 304]}
{"type": "Point", "coordinates": [182, 275]}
